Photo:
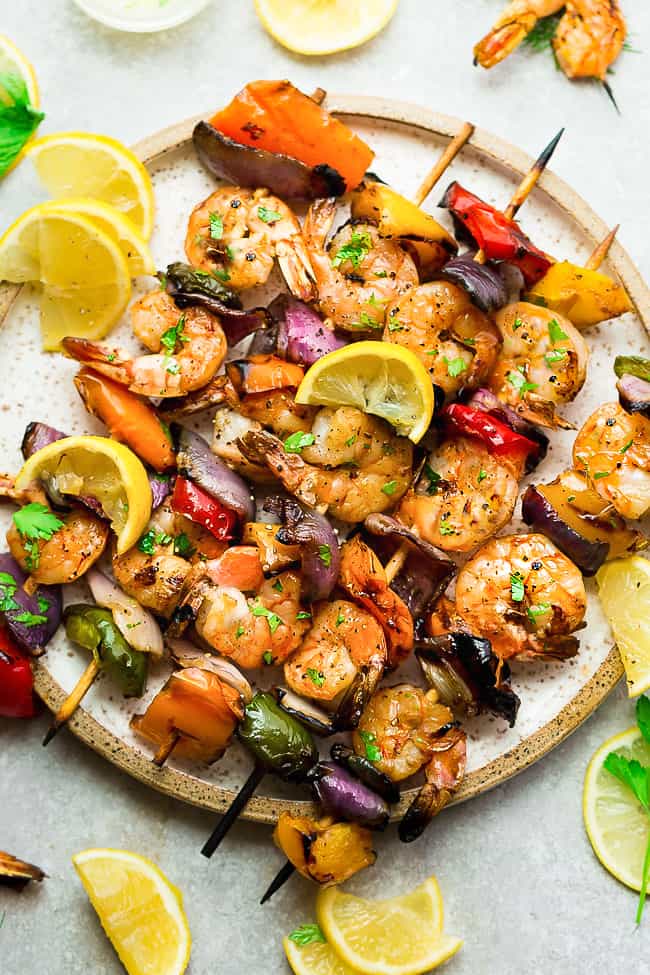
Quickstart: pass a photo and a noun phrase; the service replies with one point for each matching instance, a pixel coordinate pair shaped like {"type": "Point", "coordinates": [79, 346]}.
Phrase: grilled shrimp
{"type": "Point", "coordinates": [463, 497]}
{"type": "Point", "coordinates": [355, 466]}
{"type": "Point", "coordinates": [363, 578]}
{"type": "Point", "coordinates": [523, 595]}
{"type": "Point", "coordinates": [240, 233]}
{"type": "Point", "coordinates": [341, 660]}
{"type": "Point", "coordinates": [516, 21]}
{"type": "Point", "coordinates": [187, 349]}
{"type": "Point", "coordinates": [358, 273]}
{"type": "Point", "coordinates": [613, 450]}
{"type": "Point", "coordinates": [255, 630]}
{"type": "Point", "coordinates": [589, 37]}
{"type": "Point", "coordinates": [65, 556]}
{"type": "Point", "coordinates": [455, 341]}
{"type": "Point", "coordinates": [543, 362]}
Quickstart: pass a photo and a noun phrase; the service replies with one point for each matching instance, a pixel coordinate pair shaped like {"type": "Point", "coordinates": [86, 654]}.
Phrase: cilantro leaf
{"type": "Point", "coordinates": [325, 555]}
{"type": "Point", "coordinates": [389, 488]}
{"type": "Point", "coordinates": [267, 657]}
{"type": "Point", "coordinates": [34, 520]}
{"type": "Point", "coordinates": [272, 618]}
{"type": "Point", "coordinates": [170, 339]}
{"type": "Point", "coordinates": [317, 677]}
{"type": "Point", "coordinates": [307, 934]}
{"type": "Point", "coordinates": [29, 619]}
{"type": "Point", "coordinates": [277, 585]}
{"type": "Point", "coordinates": [445, 527]}
{"type": "Point", "coordinates": [643, 716]}
{"type": "Point", "coordinates": [8, 586]}
{"type": "Point", "coordinates": [303, 615]}
{"type": "Point", "coordinates": [517, 379]}
{"type": "Point", "coordinates": [268, 216]}
{"type": "Point", "coordinates": [369, 739]}
{"type": "Point", "coordinates": [632, 774]}
{"type": "Point", "coordinates": [183, 546]}
{"type": "Point", "coordinates": [481, 476]}
{"type": "Point", "coordinates": [18, 118]}
{"type": "Point", "coordinates": [297, 441]}
{"type": "Point", "coordinates": [354, 251]}
{"type": "Point", "coordinates": [340, 618]}
{"type": "Point", "coordinates": [517, 587]}
{"type": "Point", "coordinates": [455, 366]}
{"type": "Point", "coordinates": [555, 332]}
{"type": "Point", "coordinates": [216, 226]}
{"type": "Point", "coordinates": [534, 612]}
{"type": "Point", "coordinates": [555, 355]}
{"type": "Point", "coordinates": [433, 478]}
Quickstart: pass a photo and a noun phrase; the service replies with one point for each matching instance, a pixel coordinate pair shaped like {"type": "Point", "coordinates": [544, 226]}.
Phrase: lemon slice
{"type": "Point", "coordinates": [83, 164]}
{"type": "Point", "coordinates": [84, 275]}
{"type": "Point", "coordinates": [101, 468]}
{"type": "Point", "coordinates": [116, 225]}
{"type": "Point", "coordinates": [140, 911]}
{"type": "Point", "coordinates": [13, 61]}
{"type": "Point", "coordinates": [616, 823]}
{"type": "Point", "coordinates": [376, 377]}
{"type": "Point", "coordinates": [324, 26]}
{"type": "Point", "coordinates": [624, 591]}
{"type": "Point", "coordinates": [400, 936]}
{"type": "Point", "coordinates": [314, 959]}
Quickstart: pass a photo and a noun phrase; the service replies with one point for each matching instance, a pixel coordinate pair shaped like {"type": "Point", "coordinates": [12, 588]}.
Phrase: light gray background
{"type": "Point", "coordinates": [521, 884]}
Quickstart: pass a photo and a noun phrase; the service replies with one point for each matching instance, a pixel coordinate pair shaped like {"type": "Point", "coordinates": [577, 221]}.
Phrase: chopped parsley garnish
{"type": "Point", "coordinates": [307, 934]}
{"type": "Point", "coordinates": [268, 216]}
{"type": "Point", "coordinates": [35, 521]}
{"type": "Point", "coordinates": [366, 321]}
{"type": "Point", "coordinates": [432, 352]}
{"type": "Point", "coordinates": [43, 604]}
{"type": "Point", "coordinates": [325, 555]}
{"type": "Point", "coordinates": [272, 618]}
{"type": "Point", "coordinates": [556, 355]}
{"type": "Point", "coordinates": [555, 332]}
{"type": "Point", "coordinates": [389, 488]}
{"type": "Point", "coordinates": [317, 677]}
{"type": "Point", "coordinates": [394, 325]}
{"type": "Point", "coordinates": [381, 274]}
{"type": "Point", "coordinates": [172, 367]}
{"type": "Point", "coordinates": [369, 739]}
{"type": "Point", "coordinates": [267, 657]}
{"type": "Point", "coordinates": [533, 612]}
{"type": "Point", "coordinates": [183, 546]}
{"type": "Point", "coordinates": [29, 619]}
{"type": "Point", "coordinates": [221, 274]}
{"type": "Point", "coordinates": [354, 251]}
{"type": "Point", "coordinates": [277, 585]}
{"type": "Point", "coordinates": [8, 586]}
{"type": "Point", "coordinates": [297, 441]}
{"type": "Point", "coordinates": [517, 324]}
{"type": "Point", "coordinates": [481, 476]}
{"type": "Point", "coordinates": [517, 379]}
{"type": "Point", "coordinates": [239, 631]}
{"type": "Point", "coordinates": [216, 226]}
{"type": "Point", "coordinates": [351, 440]}
{"type": "Point", "coordinates": [626, 447]}
{"type": "Point", "coordinates": [455, 366]}
{"type": "Point", "coordinates": [433, 477]}
{"type": "Point", "coordinates": [445, 527]}
{"type": "Point", "coordinates": [340, 618]}
{"type": "Point", "coordinates": [170, 339]}
{"type": "Point", "coordinates": [150, 539]}
{"type": "Point", "coordinates": [597, 476]}
{"type": "Point", "coordinates": [303, 615]}
{"type": "Point", "coordinates": [517, 586]}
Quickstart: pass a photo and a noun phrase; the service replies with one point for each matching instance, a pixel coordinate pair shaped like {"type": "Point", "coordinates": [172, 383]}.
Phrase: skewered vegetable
{"type": "Point", "coordinates": [195, 460]}
{"type": "Point", "coordinates": [323, 850]}
{"type": "Point", "coordinates": [16, 681]}
{"type": "Point", "coordinates": [316, 540]}
{"type": "Point", "coordinates": [482, 282]}
{"type": "Point", "coordinates": [585, 296]}
{"type": "Point", "coordinates": [345, 797]}
{"type": "Point", "coordinates": [17, 873]}
{"type": "Point", "coordinates": [94, 629]}
{"type": "Point", "coordinates": [32, 617]}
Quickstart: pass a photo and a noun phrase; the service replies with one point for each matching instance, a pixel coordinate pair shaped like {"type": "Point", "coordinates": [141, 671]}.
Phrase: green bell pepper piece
{"type": "Point", "coordinates": [279, 743]}
{"type": "Point", "coordinates": [94, 629]}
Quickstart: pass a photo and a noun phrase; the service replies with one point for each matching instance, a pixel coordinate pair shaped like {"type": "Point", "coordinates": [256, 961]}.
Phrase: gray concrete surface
{"type": "Point", "coordinates": [520, 882]}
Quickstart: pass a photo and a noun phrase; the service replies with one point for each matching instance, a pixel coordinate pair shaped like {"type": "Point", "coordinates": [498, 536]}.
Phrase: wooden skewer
{"type": "Point", "coordinates": [73, 700]}
{"type": "Point", "coordinates": [602, 250]}
{"type": "Point", "coordinates": [463, 136]}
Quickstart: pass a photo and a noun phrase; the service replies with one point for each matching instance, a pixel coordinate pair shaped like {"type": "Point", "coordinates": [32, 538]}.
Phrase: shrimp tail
{"type": "Point", "coordinates": [444, 774]}
{"type": "Point", "coordinates": [189, 605]}
{"type": "Point", "coordinates": [318, 223]}
{"type": "Point", "coordinates": [27, 495]}
{"type": "Point", "coordinates": [296, 268]}
{"type": "Point", "coordinates": [291, 470]}
{"type": "Point", "coordinates": [218, 392]}
{"type": "Point", "coordinates": [109, 360]}
{"type": "Point", "coordinates": [542, 411]}
{"type": "Point", "coordinates": [503, 39]}
{"type": "Point", "coordinates": [354, 701]}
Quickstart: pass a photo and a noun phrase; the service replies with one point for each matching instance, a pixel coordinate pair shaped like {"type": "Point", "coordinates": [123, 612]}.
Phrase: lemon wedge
{"type": "Point", "coordinates": [140, 911]}
{"type": "Point", "coordinates": [616, 823]}
{"type": "Point", "coordinates": [377, 377]}
{"type": "Point", "coordinates": [84, 164]}
{"type": "Point", "coordinates": [101, 468]}
{"type": "Point", "coordinates": [624, 592]}
{"type": "Point", "coordinates": [324, 26]}
{"type": "Point", "coordinates": [85, 279]}
{"type": "Point", "coordinates": [399, 936]}
{"type": "Point", "coordinates": [116, 225]}
{"type": "Point", "coordinates": [314, 959]}
{"type": "Point", "coordinates": [13, 61]}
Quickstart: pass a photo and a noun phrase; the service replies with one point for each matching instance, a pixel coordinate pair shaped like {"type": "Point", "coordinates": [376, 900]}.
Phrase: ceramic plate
{"type": "Point", "coordinates": [555, 697]}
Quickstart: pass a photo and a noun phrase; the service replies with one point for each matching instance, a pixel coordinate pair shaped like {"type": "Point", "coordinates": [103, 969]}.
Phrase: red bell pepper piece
{"type": "Point", "coordinates": [196, 504]}
{"type": "Point", "coordinates": [16, 681]}
{"type": "Point", "coordinates": [499, 238]}
{"type": "Point", "coordinates": [496, 435]}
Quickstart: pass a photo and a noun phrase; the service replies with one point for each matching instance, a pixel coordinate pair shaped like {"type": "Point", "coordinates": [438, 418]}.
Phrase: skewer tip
{"type": "Point", "coordinates": [51, 732]}
{"type": "Point", "coordinates": [546, 154]}
{"type": "Point", "coordinates": [278, 881]}
{"type": "Point", "coordinates": [610, 94]}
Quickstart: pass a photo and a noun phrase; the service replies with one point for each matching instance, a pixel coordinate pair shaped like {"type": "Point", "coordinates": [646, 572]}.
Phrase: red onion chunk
{"type": "Point", "coordinates": [345, 797]}
{"type": "Point", "coordinates": [38, 435]}
{"type": "Point", "coordinates": [538, 512]}
{"type": "Point", "coordinates": [196, 461]}
{"type": "Point", "coordinates": [31, 619]}
{"type": "Point", "coordinates": [308, 338]}
{"type": "Point", "coordinates": [634, 394]}
{"type": "Point", "coordinates": [161, 486]}
{"type": "Point", "coordinates": [319, 545]}
{"type": "Point", "coordinates": [482, 282]}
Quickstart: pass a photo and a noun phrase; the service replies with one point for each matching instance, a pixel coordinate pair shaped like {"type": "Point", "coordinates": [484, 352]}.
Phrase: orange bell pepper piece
{"type": "Point", "coordinates": [275, 116]}
{"type": "Point", "coordinates": [264, 373]}
{"type": "Point", "coordinates": [127, 417]}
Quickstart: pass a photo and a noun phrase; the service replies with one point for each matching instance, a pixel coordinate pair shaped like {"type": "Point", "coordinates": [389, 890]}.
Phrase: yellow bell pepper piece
{"type": "Point", "coordinates": [429, 243]}
{"type": "Point", "coordinates": [585, 297]}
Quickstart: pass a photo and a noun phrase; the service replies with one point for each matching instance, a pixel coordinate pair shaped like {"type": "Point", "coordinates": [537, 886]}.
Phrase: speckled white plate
{"type": "Point", "coordinates": [556, 697]}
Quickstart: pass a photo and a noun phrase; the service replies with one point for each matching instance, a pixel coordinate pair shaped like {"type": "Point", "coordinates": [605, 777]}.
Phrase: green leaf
{"type": "Point", "coordinates": [632, 365]}
{"type": "Point", "coordinates": [351, 440]}
{"type": "Point", "coordinates": [624, 449]}
{"type": "Point", "coordinates": [445, 527]}
{"type": "Point", "coordinates": [433, 477]}
{"type": "Point", "coordinates": [273, 619]}
{"type": "Point", "coordinates": [325, 555]}
{"type": "Point", "coordinates": [517, 379]}
{"type": "Point", "coordinates": [8, 586]}
{"type": "Point", "coordinates": [277, 585]}
{"type": "Point", "coordinates": [34, 520]}
{"type": "Point", "coordinates": [556, 355]}
{"type": "Point", "coordinates": [645, 879]}
{"type": "Point", "coordinates": [517, 324]}
{"type": "Point", "coordinates": [534, 612]}
{"type": "Point", "coordinates": [643, 716]}
{"type": "Point", "coordinates": [517, 587]}
{"type": "Point", "coordinates": [600, 474]}
{"type": "Point", "coordinates": [632, 774]}
{"type": "Point", "coordinates": [369, 739]}
{"type": "Point", "coordinates": [170, 339]}
{"type": "Point", "coordinates": [455, 366]}
{"type": "Point", "coordinates": [555, 331]}
{"type": "Point", "coordinates": [340, 618]}
{"type": "Point", "coordinates": [267, 657]}
{"type": "Point", "coordinates": [147, 543]}
{"type": "Point", "coordinates": [183, 546]}
{"type": "Point", "coordinates": [297, 441]}
{"type": "Point", "coordinates": [216, 226]}
{"type": "Point", "coordinates": [303, 615]}
{"type": "Point", "coordinates": [239, 631]}
{"type": "Point", "coordinates": [29, 619]}
{"type": "Point", "coordinates": [268, 216]}
{"type": "Point", "coordinates": [307, 934]}
{"type": "Point", "coordinates": [43, 604]}
{"type": "Point", "coordinates": [389, 488]}
{"type": "Point", "coordinates": [18, 119]}
{"type": "Point", "coordinates": [317, 677]}
{"type": "Point", "coordinates": [354, 251]}
{"type": "Point", "coordinates": [481, 476]}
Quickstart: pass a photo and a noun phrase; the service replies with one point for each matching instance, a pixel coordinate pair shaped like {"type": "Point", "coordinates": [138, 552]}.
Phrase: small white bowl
{"type": "Point", "coordinates": [142, 16]}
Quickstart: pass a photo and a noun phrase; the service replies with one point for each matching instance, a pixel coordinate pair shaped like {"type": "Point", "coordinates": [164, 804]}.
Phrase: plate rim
{"type": "Point", "coordinates": [187, 787]}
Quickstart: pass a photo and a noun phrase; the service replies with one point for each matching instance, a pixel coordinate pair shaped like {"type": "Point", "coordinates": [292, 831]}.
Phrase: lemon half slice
{"type": "Point", "coordinates": [616, 822]}
{"type": "Point", "coordinates": [140, 911]}
{"type": "Point", "coordinates": [400, 936]}
{"type": "Point", "coordinates": [314, 959]}
{"type": "Point", "coordinates": [624, 592]}
{"type": "Point", "coordinates": [324, 26]}
{"type": "Point", "coordinates": [86, 284]}
{"type": "Point", "coordinates": [101, 468]}
{"type": "Point", "coordinates": [84, 164]}
{"type": "Point", "coordinates": [377, 377]}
